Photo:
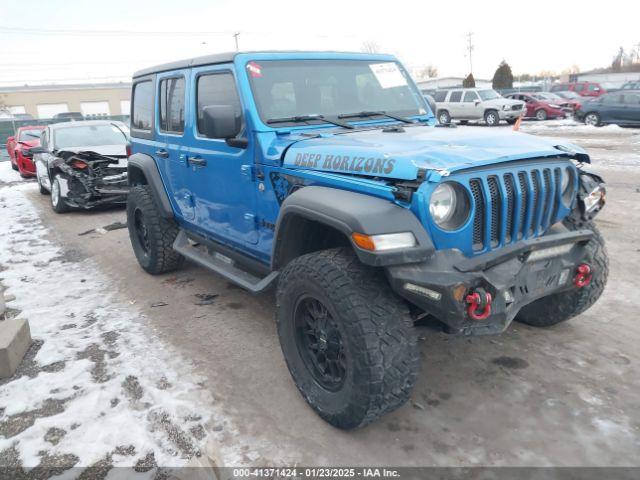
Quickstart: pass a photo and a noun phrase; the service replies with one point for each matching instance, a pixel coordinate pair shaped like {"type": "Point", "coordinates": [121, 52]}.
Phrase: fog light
{"type": "Point", "coordinates": [425, 292]}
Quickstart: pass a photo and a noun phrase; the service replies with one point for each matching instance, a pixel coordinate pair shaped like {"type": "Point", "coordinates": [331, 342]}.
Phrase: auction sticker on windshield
{"type": "Point", "coordinates": [388, 74]}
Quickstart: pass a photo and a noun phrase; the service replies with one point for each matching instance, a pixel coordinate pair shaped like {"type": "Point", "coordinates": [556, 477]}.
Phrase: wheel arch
{"type": "Point", "coordinates": [142, 170]}
{"type": "Point", "coordinates": [316, 218]}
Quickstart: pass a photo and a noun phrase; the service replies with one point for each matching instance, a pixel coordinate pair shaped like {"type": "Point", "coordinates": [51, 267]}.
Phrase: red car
{"type": "Point", "coordinates": [540, 108]}
{"type": "Point", "coordinates": [584, 89]}
{"type": "Point", "coordinates": [19, 147]}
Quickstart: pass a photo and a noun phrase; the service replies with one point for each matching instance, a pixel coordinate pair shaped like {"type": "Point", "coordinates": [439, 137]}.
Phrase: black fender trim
{"type": "Point", "coordinates": [142, 169]}
{"type": "Point", "coordinates": [350, 212]}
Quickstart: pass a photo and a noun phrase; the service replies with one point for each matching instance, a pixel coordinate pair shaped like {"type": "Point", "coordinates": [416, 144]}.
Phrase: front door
{"type": "Point", "coordinates": [221, 175]}
{"type": "Point", "coordinates": [470, 106]}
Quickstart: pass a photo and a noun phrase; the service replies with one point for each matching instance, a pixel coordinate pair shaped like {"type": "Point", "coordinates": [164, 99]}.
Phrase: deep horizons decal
{"type": "Point", "coordinates": [345, 163]}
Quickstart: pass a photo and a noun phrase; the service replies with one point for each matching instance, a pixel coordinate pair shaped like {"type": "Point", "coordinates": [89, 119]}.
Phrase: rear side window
{"type": "Point", "coordinates": [630, 99]}
{"type": "Point", "coordinates": [172, 105]}
{"type": "Point", "coordinates": [440, 95]}
{"type": "Point", "coordinates": [611, 99]}
{"type": "Point", "coordinates": [578, 87]}
{"type": "Point", "coordinates": [216, 89]}
{"type": "Point", "coordinates": [142, 105]}
{"type": "Point", "coordinates": [455, 96]}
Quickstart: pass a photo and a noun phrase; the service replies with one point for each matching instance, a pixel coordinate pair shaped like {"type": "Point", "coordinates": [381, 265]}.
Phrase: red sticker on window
{"type": "Point", "coordinates": [254, 69]}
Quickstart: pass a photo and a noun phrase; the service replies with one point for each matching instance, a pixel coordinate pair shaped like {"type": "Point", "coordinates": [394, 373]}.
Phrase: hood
{"type": "Point", "coordinates": [402, 154]}
{"type": "Point", "coordinates": [109, 150]}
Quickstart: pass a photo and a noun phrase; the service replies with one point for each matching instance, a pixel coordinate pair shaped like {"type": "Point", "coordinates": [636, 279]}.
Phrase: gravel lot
{"type": "Point", "coordinates": [563, 396]}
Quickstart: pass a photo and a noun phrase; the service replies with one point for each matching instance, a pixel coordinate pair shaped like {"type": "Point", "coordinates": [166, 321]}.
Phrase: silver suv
{"type": "Point", "coordinates": [466, 104]}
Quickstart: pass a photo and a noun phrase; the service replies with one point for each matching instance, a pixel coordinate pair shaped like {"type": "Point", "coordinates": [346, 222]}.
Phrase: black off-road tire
{"type": "Point", "coordinates": [562, 306]}
{"type": "Point", "coordinates": [380, 346]}
{"type": "Point", "coordinates": [154, 252]}
{"type": "Point", "coordinates": [492, 118]}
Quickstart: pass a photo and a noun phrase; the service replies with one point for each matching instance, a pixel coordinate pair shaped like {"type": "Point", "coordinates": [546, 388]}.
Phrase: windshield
{"type": "Point", "coordinates": [488, 94]}
{"type": "Point", "coordinates": [302, 88]}
{"type": "Point", "coordinates": [89, 136]}
{"type": "Point", "coordinates": [26, 135]}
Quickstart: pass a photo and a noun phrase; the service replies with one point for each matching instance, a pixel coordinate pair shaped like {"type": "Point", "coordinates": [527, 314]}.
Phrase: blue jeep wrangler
{"type": "Point", "coordinates": [326, 175]}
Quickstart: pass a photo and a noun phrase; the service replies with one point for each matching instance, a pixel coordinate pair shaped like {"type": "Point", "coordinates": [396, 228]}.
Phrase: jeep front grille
{"type": "Point", "coordinates": [507, 210]}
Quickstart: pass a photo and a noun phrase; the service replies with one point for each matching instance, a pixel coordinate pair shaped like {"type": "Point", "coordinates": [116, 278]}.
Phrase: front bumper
{"type": "Point", "coordinates": [509, 114]}
{"type": "Point", "coordinates": [511, 275]}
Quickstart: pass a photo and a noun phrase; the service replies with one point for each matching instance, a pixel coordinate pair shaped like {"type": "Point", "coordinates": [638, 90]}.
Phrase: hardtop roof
{"type": "Point", "coordinates": [229, 57]}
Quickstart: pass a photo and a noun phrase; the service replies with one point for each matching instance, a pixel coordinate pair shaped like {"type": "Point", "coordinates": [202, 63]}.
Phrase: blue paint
{"type": "Point", "coordinates": [235, 198]}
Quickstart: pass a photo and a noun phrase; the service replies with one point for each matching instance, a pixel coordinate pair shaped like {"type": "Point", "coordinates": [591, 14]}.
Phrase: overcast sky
{"type": "Point", "coordinates": [97, 41]}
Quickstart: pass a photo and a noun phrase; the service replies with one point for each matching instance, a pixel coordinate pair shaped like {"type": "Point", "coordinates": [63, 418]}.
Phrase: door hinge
{"type": "Point", "coordinates": [252, 172]}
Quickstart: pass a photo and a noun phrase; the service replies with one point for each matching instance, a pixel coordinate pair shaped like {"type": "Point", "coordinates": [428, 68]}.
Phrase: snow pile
{"type": "Point", "coordinates": [101, 386]}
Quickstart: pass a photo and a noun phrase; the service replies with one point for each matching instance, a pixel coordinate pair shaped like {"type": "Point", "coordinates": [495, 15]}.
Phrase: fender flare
{"type": "Point", "coordinates": [350, 212]}
{"type": "Point", "coordinates": [142, 170]}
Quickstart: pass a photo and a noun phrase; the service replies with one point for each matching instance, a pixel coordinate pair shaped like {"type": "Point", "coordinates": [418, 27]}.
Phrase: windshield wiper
{"type": "Point", "coordinates": [381, 113]}
{"type": "Point", "coordinates": [306, 118]}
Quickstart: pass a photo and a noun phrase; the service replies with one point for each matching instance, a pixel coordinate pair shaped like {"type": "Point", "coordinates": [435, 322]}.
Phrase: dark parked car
{"type": "Point", "coordinates": [68, 116]}
{"type": "Point", "coordinates": [631, 86]}
{"type": "Point", "coordinates": [613, 108]}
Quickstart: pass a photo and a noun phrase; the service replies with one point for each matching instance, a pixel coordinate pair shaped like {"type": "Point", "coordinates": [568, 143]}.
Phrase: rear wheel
{"type": "Point", "coordinates": [348, 340]}
{"type": "Point", "coordinates": [58, 202]}
{"type": "Point", "coordinates": [592, 119]}
{"type": "Point", "coordinates": [541, 114]}
{"type": "Point", "coordinates": [152, 235]}
{"type": "Point", "coordinates": [562, 306]}
{"type": "Point", "coordinates": [492, 118]}
{"type": "Point", "coordinates": [443, 117]}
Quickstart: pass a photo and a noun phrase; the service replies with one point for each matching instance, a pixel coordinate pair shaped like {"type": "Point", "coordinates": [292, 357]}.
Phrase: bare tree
{"type": "Point", "coordinates": [370, 46]}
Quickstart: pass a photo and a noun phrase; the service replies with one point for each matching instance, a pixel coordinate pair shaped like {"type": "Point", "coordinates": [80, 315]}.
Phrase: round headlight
{"type": "Point", "coordinates": [449, 206]}
{"type": "Point", "coordinates": [566, 185]}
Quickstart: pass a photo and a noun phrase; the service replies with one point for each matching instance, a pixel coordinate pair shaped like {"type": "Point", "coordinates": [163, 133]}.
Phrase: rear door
{"type": "Point", "coordinates": [171, 108]}
{"type": "Point", "coordinates": [453, 104]}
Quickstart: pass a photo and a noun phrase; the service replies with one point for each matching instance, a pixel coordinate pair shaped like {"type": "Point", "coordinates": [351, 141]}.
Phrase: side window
{"type": "Point", "coordinates": [440, 95]}
{"type": "Point", "coordinates": [142, 105]}
{"type": "Point", "coordinates": [217, 89]}
{"type": "Point", "coordinates": [578, 87]}
{"type": "Point", "coordinates": [470, 96]}
{"type": "Point", "coordinates": [630, 99]}
{"type": "Point", "coordinates": [455, 96]}
{"type": "Point", "coordinates": [611, 99]}
{"type": "Point", "coordinates": [172, 105]}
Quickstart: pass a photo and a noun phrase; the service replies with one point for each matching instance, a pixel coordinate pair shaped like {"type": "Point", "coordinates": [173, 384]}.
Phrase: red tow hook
{"type": "Point", "coordinates": [479, 304]}
{"type": "Point", "coordinates": [583, 275]}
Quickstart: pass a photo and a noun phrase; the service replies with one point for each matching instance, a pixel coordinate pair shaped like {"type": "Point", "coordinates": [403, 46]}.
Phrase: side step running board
{"type": "Point", "coordinates": [229, 271]}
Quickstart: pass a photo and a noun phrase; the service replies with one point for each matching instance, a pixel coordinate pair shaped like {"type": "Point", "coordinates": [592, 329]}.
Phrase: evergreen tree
{"type": "Point", "coordinates": [503, 78]}
{"type": "Point", "coordinates": [469, 82]}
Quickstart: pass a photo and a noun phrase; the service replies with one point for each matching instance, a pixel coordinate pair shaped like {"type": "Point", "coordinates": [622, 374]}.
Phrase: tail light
{"type": "Point", "coordinates": [79, 164]}
{"type": "Point", "coordinates": [128, 150]}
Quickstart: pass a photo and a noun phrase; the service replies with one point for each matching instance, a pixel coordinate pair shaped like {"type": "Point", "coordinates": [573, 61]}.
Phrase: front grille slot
{"type": "Point", "coordinates": [496, 205]}
{"type": "Point", "coordinates": [478, 218]}
{"type": "Point", "coordinates": [513, 206]}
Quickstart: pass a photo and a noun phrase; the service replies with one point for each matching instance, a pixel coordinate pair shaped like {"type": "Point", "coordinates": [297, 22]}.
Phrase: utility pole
{"type": "Point", "coordinates": [235, 36]}
{"type": "Point", "coordinates": [470, 48]}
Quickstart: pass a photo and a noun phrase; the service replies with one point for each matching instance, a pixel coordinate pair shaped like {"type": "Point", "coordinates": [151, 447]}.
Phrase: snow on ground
{"type": "Point", "coordinates": [97, 386]}
{"type": "Point", "coordinates": [7, 174]}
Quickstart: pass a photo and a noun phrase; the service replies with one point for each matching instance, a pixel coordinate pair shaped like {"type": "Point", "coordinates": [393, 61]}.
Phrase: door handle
{"type": "Point", "coordinates": [162, 153]}
{"type": "Point", "coordinates": [199, 161]}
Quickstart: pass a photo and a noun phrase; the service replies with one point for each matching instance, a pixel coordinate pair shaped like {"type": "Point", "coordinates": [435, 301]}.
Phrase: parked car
{"type": "Point", "coordinates": [68, 117]}
{"type": "Point", "coordinates": [571, 97]}
{"type": "Point", "coordinates": [584, 89]}
{"type": "Point", "coordinates": [19, 147]}
{"type": "Point", "coordinates": [538, 107]}
{"type": "Point", "coordinates": [569, 106]}
{"type": "Point", "coordinates": [322, 175]}
{"type": "Point", "coordinates": [466, 104]}
{"type": "Point", "coordinates": [613, 108]}
{"type": "Point", "coordinates": [631, 86]}
{"type": "Point", "coordinates": [83, 165]}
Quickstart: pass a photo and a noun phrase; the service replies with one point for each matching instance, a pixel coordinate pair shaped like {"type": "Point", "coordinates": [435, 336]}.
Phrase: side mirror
{"type": "Point", "coordinates": [220, 121]}
{"type": "Point", "coordinates": [35, 150]}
